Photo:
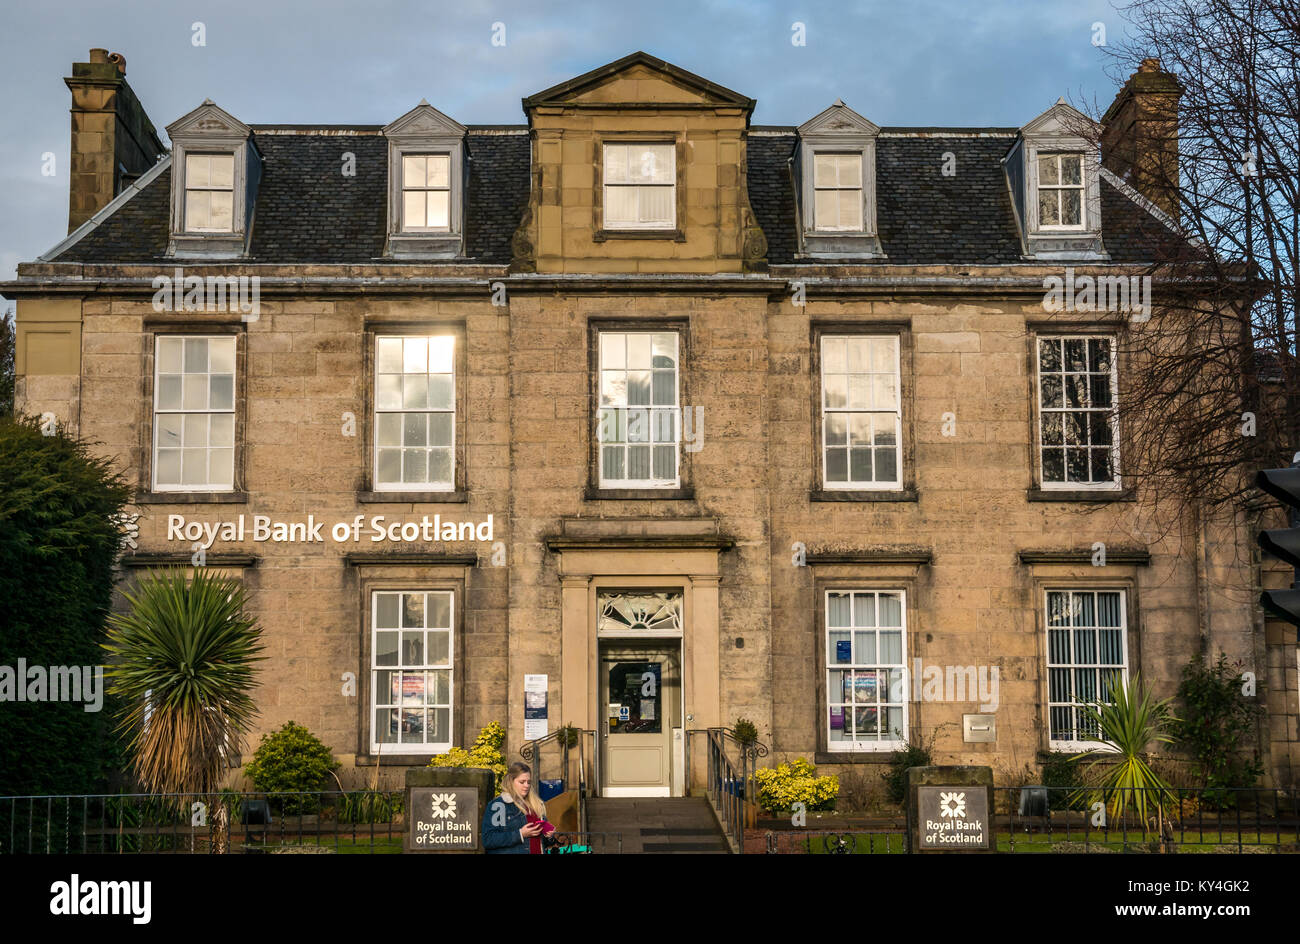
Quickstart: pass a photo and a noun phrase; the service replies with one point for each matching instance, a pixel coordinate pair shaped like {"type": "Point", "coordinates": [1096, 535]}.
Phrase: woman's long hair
{"type": "Point", "coordinates": [532, 803]}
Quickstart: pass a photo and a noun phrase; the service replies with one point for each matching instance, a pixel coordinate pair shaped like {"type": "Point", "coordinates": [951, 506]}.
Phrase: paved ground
{"type": "Point", "coordinates": [658, 824]}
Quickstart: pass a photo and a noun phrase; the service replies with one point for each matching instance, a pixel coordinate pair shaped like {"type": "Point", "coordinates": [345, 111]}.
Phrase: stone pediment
{"type": "Point", "coordinates": [424, 121]}
{"type": "Point", "coordinates": [838, 119]}
{"type": "Point", "coordinates": [208, 120]}
{"type": "Point", "coordinates": [1061, 120]}
{"type": "Point", "coordinates": [639, 79]}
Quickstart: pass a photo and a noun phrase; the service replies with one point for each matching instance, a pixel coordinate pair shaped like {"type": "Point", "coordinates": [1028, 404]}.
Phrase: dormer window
{"type": "Point", "coordinates": [215, 173]}
{"type": "Point", "coordinates": [426, 192]}
{"type": "Point", "coordinates": [425, 185]}
{"type": "Point", "coordinates": [1055, 186]}
{"type": "Point", "coordinates": [837, 171]}
{"type": "Point", "coordinates": [1060, 191]}
{"type": "Point", "coordinates": [209, 193]}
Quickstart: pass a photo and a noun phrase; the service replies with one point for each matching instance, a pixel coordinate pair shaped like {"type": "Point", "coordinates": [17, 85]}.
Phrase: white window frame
{"type": "Point", "coordinates": [1076, 745]}
{"type": "Point", "coordinates": [880, 744]}
{"type": "Point", "coordinates": [188, 187]}
{"type": "Point", "coordinates": [402, 186]}
{"type": "Point", "coordinates": [606, 186]}
{"type": "Point", "coordinates": [1081, 187]}
{"type": "Point", "coordinates": [651, 409]}
{"type": "Point", "coordinates": [1116, 480]}
{"type": "Point", "coordinates": [428, 485]}
{"type": "Point", "coordinates": [862, 484]}
{"type": "Point", "coordinates": [207, 411]}
{"type": "Point", "coordinates": [860, 190]}
{"type": "Point", "coordinates": [378, 747]}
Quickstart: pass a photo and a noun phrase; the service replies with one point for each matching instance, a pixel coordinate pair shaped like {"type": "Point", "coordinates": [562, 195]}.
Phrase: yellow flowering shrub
{"type": "Point", "coordinates": [780, 787]}
{"type": "Point", "coordinates": [484, 754]}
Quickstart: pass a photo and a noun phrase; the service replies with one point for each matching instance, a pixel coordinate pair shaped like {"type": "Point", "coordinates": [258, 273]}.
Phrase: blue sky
{"type": "Point", "coordinates": [923, 62]}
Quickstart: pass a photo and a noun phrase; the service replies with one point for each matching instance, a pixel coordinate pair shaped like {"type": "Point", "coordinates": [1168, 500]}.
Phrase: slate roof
{"type": "Point", "coordinates": [308, 212]}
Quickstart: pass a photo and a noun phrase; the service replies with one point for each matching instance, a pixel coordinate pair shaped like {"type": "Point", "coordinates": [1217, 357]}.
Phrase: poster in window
{"type": "Point", "coordinates": [860, 687]}
{"type": "Point", "coordinates": [408, 689]}
{"type": "Point", "coordinates": [865, 720]}
{"type": "Point", "coordinates": [837, 718]}
{"type": "Point", "coordinates": [843, 650]}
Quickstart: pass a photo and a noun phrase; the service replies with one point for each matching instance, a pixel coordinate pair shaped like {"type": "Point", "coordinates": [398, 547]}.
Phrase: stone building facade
{"type": "Point", "coordinates": [726, 420]}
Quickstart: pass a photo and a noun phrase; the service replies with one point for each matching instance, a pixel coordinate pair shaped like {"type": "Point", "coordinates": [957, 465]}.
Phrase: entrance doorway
{"type": "Point", "coordinates": [641, 708]}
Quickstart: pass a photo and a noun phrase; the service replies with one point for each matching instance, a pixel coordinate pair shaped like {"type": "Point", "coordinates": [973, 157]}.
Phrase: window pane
{"type": "Point", "coordinates": [1071, 207]}
{"type": "Point", "coordinates": [1049, 355]}
{"type": "Point", "coordinates": [826, 209]}
{"type": "Point", "coordinates": [440, 428]}
{"type": "Point", "coordinates": [389, 471]}
{"type": "Point", "coordinates": [221, 392]}
{"type": "Point", "coordinates": [222, 430]}
{"type": "Point", "coordinates": [616, 163]}
{"type": "Point", "coordinates": [221, 464]}
{"type": "Point", "coordinates": [222, 209]}
{"type": "Point", "coordinates": [442, 352]}
{"type": "Point", "coordinates": [834, 352]}
{"type": "Point", "coordinates": [194, 466]}
{"type": "Point", "coordinates": [1047, 170]}
{"type": "Point", "coordinates": [836, 428]}
{"type": "Point", "coordinates": [413, 207]}
{"type": "Point", "coordinates": [440, 465]}
{"type": "Point", "coordinates": [837, 465]}
{"type": "Point", "coordinates": [195, 428]}
{"type": "Point", "coordinates": [388, 391]}
{"type": "Point", "coordinates": [886, 465]}
{"type": "Point", "coordinates": [169, 355]}
{"type": "Point", "coordinates": [439, 170]}
{"type": "Point", "coordinates": [850, 209]}
{"type": "Point", "coordinates": [638, 388]}
{"type": "Point", "coordinates": [824, 170]}
{"type": "Point", "coordinates": [195, 389]}
{"type": "Point", "coordinates": [222, 170]}
{"type": "Point", "coordinates": [221, 354]}
{"type": "Point", "coordinates": [169, 467]}
{"type": "Point", "coordinates": [415, 429]}
{"type": "Point", "coordinates": [1049, 213]}
{"type": "Point", "coordinates": [620, 206]}
{"type": "Point", "coordinates": [837, 392]}
{"type": "Point", "coordinates": [196, 210]}
{"type": "Point", "coordinates": [837, 609]}
{"type": "Point", "coordinates": [850, 170]}
{"type": "Point", "coordinates": [415, 465]}
{"type": "Point", "coordinates": [664, 388]}
{"type": "Point", "coordinates": [613, 350]}
{"type": "Point", "coordinates": [169, 430]}
{"type": "Point", "coordinates": [388, 429]}
{"type": "Point", "coordinates": [439, 212]}
{"type": "Point", "coordinates": [440, 392]}
{"type": "Point", "coordinates": [1051, 390]}
{"type": "Point", "coordinates": [196, 355]}
{"type": "Point", "coordinates": [388, 355]}
{"type": "Point", "coordinates": [656, 205]}
{"type": "Point", "coordinates": [413, 171]}
{"type": "Point", "coordinates": [197, 172]}
{"type": "Point", "coordinates": [611, 462]}
{"type": "Point", "coordinates": [1071, 165]}
{"type": "Point", "coordinates": [415, 392]}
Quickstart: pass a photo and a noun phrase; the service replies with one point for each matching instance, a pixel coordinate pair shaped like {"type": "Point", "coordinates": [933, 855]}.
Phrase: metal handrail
{"type": "Point", "coordinates": [730, 792]}
{"type": "Point", "coordinates": [532, 751]}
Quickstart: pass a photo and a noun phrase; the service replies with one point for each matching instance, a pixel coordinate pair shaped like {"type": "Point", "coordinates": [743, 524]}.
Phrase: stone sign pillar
{"type": "Point", "coordinates": [950, 809]}
{"type": "Point", "coordinates": [444, 809]}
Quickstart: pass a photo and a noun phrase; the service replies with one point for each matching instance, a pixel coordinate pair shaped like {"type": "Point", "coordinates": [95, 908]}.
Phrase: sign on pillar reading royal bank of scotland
{"type": "Point", "coordinates": [444, 819]}
{"type": "Point", "coordinates": [953, 818]}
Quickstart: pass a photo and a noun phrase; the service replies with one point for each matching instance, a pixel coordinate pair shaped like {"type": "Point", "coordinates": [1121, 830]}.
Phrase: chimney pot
{"type": "Point", "coordinates": [1149, 64]}
{"type": "Point", "coordinates": [119, 60]}
{"type": "Point", "coordinates": [99, 55]}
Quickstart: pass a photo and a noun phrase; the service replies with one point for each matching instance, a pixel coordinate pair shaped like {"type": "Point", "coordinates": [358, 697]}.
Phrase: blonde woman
{"type": "Point", "coordinates": [515, 821]}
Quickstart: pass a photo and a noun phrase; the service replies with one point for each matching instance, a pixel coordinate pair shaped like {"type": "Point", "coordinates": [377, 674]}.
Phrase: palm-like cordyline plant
{"type": "Point", "coordinates": [182, 661]}
{"type": "Point", "coordinates": [1126, 724]}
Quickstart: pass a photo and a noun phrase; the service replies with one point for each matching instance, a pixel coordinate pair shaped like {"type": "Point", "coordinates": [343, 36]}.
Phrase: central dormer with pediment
{"type": "Point", "coordinates": [638, 167]}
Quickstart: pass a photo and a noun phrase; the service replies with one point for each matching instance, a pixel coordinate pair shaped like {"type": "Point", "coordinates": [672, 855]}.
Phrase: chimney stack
{"type": "Point", "coordinates": [113, 140]}
{"type": "Point", "coordinates": [1139, 140]}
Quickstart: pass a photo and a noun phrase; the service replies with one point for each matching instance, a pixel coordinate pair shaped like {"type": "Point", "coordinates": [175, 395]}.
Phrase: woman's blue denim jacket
{"type": "Point", "coordinates": [504, 838]}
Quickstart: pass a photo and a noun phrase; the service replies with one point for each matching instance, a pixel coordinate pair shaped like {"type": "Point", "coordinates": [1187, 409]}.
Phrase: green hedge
{"type": "Point", "coordinates": [59, 536]}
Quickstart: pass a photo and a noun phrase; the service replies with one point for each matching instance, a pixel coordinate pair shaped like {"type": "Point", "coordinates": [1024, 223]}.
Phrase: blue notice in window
{"type": "Point", "coordinates": [843, 651]}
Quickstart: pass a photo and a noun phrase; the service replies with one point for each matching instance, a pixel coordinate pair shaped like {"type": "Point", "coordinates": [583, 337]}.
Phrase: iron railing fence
{"type": "Point", "coordinates": [834, 842]}
{"type": "Point", "coordinates": [357, 821]}
{"type": "Point", "coordinates": [1130, 819]}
